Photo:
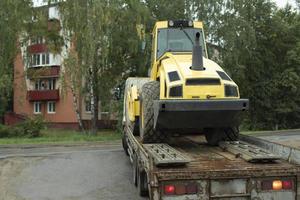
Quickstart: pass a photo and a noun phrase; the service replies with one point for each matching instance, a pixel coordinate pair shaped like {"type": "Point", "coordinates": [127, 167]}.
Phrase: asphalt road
{"type": "Point", "coordinates": [66, 173]}
{"type": "Point", "coordinates": [289, 137]}
{"type": "Point", "coordinates": [83, 172]}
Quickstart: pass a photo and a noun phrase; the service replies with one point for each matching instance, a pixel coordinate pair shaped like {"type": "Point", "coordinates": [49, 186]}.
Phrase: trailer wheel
{"type": "Point", "coordinates": [135, 170]}
{"type": "Point", "coordinates": [124, 144]}
{"type": "Point", "coordinates": [215, 135]}
{"type": "Point", "coordinates": [143, 184]}
{"type": "Point", "coordinates": [149, 93]}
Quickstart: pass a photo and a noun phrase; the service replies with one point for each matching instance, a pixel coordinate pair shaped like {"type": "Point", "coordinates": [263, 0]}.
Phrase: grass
{"type": "Point", "coordinates": [54, 136]}
{"type": "Point", "coordinates": [269, 132]}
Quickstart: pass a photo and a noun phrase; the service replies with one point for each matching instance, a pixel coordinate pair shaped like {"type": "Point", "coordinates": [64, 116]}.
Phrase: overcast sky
{"type": "Point", "coordinates": [280, 3]}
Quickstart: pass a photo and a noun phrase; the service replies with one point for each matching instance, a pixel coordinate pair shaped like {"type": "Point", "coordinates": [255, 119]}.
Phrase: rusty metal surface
{"type": "Point", "coordinates": [165, 155]}
{"type": "Point", "coordinates": [248, 152]}
{"type": "Point", "coordinates": [289, 153]}
{"type": "Point", "coordinates": [212, 163]}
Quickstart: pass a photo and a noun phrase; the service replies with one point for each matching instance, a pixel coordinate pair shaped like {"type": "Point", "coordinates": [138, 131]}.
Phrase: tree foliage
{"type": "Point", "coordinates": [258, 45]}
{"type": "Point", "coordinates": [14, 16]}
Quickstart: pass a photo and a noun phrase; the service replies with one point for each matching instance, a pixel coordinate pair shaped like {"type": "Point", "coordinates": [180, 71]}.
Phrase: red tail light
{"type": "Point", "coordinates": [287, 184]}
{"type": "Point", "coordinates": [180, 189]}
{"type": "Point", "coordinates": [277, 185]}
{"type": "Point", "coordinates": [169, 189]}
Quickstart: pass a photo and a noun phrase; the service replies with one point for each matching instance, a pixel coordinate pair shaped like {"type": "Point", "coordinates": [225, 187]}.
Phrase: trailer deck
{"type": "Point", "coordinates": [214, 162]}
{"type": "Point", "coordinates": [215, 172]}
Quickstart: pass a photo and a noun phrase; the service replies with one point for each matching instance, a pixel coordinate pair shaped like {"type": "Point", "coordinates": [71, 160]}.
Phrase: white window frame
{"type": "Point", "coordinates": [53, 111]}
{"type": "Point", "coordinates": [37, 40]}
{"type": "Point", "coordinates": [51, 84]}
{"type": "Point", "coordinates": [37, 85]}
{"type": "Point", "coordinates": [88, 103]}
{"type": "Point", "coordinates": [40, 59]}
{"type": "Point", "coordinates": [35, 104]}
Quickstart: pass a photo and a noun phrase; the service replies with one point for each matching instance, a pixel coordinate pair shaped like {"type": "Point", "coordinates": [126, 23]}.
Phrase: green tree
{"type": "Point", "coordinates": [14, 19]}
{"type": "Point", "coordinates": [106, 40]}
{"type": "Point", "coordinates": [258, 46]}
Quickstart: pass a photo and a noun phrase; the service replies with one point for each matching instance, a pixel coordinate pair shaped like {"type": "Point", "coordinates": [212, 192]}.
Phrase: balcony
{"type": "Point", "coordinates": [43, 72]}
{"type": "Point", "coordinates": [43, 95]}
{"type": "Point", "coordinates": [37, 48]}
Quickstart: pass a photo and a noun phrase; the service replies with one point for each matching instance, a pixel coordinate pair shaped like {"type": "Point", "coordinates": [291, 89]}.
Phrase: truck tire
{"type": "Point", "coordinates": [124, 144]}
{"type": "Point", "coordinates": [143, 184]}
{"type": "Point", "coordinates": [215, 135]}
{"type": "Point", "coordinates": [149, 93]}
{"type": "Point", "coordinates": [135, 170]}
{"type": "Point", "coordinates": [139, 82]}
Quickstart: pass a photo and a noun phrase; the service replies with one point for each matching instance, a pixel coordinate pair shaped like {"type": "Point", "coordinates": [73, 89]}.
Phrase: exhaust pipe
{"type": "Point", "coordinates": [197, 58]}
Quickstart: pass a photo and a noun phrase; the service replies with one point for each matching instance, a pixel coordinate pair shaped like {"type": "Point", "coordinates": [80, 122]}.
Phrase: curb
{"type": "Point", "coordinates": [46, 145]}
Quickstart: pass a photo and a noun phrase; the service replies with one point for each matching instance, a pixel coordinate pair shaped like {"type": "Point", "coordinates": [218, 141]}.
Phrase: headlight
{"type": "Point", "coordinates": [176, 91]}
{"type": "Point", "coordinates": [231, 91]}
{"type": "Point", "coordinates": [171, 23]}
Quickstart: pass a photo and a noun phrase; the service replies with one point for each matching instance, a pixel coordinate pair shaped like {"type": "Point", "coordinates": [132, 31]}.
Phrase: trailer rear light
{"type": "Point", "coordinates": [277, 185]}
{"type": "Point", "coordinates": [266, 185]}
{"type": "Point", "coordinates": [180, 189]}
{"type": "Point", "coordinates": [191, 189]}
{"type": "Point", "coordinates": [169, 189]}
{"type": "Point", "coordinates": [287, 184]}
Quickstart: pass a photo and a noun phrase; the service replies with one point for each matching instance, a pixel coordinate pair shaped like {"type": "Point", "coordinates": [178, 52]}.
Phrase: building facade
{"type": "Point", "coordinates": [38, 88]}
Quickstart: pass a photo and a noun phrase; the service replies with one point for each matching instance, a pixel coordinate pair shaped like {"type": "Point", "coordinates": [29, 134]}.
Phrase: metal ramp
{"type": "Point", "coordinates": [248, 152]}
{"type": "Point", "coordinates": [165, 155]}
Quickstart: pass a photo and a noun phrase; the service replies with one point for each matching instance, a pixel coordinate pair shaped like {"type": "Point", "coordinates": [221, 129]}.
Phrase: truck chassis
{"type": "Point", "coordinates": [212, 172]}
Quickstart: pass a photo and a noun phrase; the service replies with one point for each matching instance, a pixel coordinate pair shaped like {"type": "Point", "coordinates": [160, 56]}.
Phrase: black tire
{"type": "Point", "coordinates": [232, 134]}
{"type": "Point", "coordinates": [124, 144]}
{"type": "Point", "coordinates": [135, 171]}
{"type": "Point", "coordinates": [143, 184]}
{"type": "Point", "coordinates": [149, 93]}
{"type": "Point", "coordinates": [139, 82]}
{"type": "Point", "coordinates": [215, 135]}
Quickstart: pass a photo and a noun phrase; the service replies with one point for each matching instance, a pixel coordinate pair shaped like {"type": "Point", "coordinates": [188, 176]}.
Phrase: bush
{"type": "Point", "coordinates": [4, 131]}
{"type": "Point", "coordinates": [29, 128]}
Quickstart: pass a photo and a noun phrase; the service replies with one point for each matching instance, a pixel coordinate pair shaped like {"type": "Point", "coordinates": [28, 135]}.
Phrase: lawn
{"type": "Point", "coordinates": [269, 132]}
{"type": "Point", "coordinates": [53, 136]}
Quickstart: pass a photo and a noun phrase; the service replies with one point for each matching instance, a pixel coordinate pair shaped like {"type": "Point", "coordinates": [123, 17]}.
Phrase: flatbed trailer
{"type": "Point", "coordinates": [199, 171]}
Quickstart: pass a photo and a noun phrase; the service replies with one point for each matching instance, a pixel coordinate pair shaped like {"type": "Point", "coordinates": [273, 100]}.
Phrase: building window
{"type": "Point", "coordinates": [51, 107]}
{"type": "Point", "coordinates": [37, 40]}
{"type": "Point", "coordinates": [38, 85]}
{"type": "Point", "coordinates": [88, 106]}
{"type": "Point", "coordinates": [40, 59]}
{"type": "Point", "coordinates": [51, 84]}
{"type": "Point", "coordinates": [46, 84]}
{"type": "Point", "coordinates": [45, 59]}
{"type": "Point", "coordinates": [35, 59]}
{"type": "Point", "coordinates": [37, 106]}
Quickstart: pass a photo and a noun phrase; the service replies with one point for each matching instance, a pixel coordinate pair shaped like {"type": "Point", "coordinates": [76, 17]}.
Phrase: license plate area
{"type": "Point", "coordinates": [229, 189]}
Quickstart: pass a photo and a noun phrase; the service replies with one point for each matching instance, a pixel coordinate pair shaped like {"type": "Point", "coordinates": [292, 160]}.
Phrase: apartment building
{"type": "Point", "coordinates": [38, 88]}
